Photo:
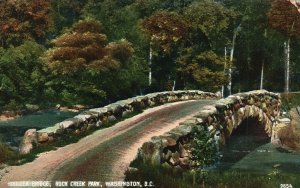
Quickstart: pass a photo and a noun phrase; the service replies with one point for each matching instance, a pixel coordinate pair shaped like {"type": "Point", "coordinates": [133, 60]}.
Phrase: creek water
{"type": "Point", "coordinates": [11, 131]}
{"type": "Point", "coordinates": [249, 149]}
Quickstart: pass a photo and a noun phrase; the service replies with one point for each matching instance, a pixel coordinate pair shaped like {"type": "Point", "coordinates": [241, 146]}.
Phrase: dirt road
{"type": "Point", "coordinates": [106, 154]}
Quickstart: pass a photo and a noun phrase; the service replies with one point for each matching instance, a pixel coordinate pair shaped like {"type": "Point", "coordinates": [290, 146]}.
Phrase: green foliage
{"type": "Point", "coordinates": [165, 177]}
{"type": "Point", "coordinates": [205, 70]}
{"type": "Point", "coordinates": [257, 44]}
{"type": "Point", "coordinates": [212, 19]}
{"type": "Point", "coordinates": [203, 149]}
{"type": "Point", "coordinates": [119, 18]}
{"type": "Point", "coordinates": [188, 53]}
{"type": "Point", "coordinates": [105, 57]}
{"type": "Point", "coordinates": [6, 153]}
{"type": "Point", "coordinates": [290, 100]}
{"type": "Point", "coordinates": [64, 13]}
{"type": "Point", "coordinates": [21, 74]}
{"type": "Point", "coordinates": [13, 105]}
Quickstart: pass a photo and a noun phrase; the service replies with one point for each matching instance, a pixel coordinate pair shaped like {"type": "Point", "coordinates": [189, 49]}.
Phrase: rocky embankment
{"type": "Point", "coordinates": [288, 131]}
{"type": "Point", "coordinates": [7, 115]}
{"type": "Point", "coordinates": [99, 117]}
{"type": "Point", "coordinates": [13, 114]}
{"type": "Point", "coordinates": [220, 120]}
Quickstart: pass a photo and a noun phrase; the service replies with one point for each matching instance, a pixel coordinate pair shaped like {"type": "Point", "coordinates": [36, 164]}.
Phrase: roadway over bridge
{"type": "Point", "coordinates": [109, 147]}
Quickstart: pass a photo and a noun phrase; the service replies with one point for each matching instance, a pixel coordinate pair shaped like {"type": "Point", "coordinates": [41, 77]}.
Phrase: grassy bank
{"type": "Point", "coordinates": [290, 100]}
{"type": "Point", "coordinates": [6, 153]}
{"type": "Point", "coordinates": [165, 177]}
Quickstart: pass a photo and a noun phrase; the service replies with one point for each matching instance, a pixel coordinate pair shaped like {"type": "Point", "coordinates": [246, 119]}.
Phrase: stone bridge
{"type": "Point", "coordinates": [219, 120]}
{"type": "Point", "coordinates": [97, 118]}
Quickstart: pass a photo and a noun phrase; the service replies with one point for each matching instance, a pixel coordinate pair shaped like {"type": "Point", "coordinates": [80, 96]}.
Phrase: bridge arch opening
{"type": "Point", "coordinates": [246, 138]}
{"type": "Point", "coordinates": [251, 127]}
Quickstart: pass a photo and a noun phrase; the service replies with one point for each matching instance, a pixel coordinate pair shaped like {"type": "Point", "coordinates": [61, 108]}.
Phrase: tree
{"type": "Point", "coordinates": [24, 20]}
{"type": "Point", "coordinates": [105, 11]}
{"type": "Point", "coordinates": [256, 48]}
{"type": "Point", "coordinates": [204, 70]}
{"type": "Point", "coordinates": [204, 150]}
{"type": "Point", "coordinates": [64, 14]}
{"type": "Point", "coordinates": [22, 77]}
{"type": "Point", "coordinates": [84, 54]}
{"type": "Point", "coordinates": [166, 31]}
{"type": "Point", "coordinates": [86, 48]}
{"type": "Point", "coordinates": [284, 17]}
{"type": "Point", "coordinates": [215, 21]}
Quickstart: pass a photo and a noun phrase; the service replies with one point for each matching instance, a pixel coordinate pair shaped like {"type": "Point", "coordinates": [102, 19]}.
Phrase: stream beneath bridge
{"type": "Point", "coordinates": [12, 131]}
{"type": "Point", "coordinates": [249, 149]}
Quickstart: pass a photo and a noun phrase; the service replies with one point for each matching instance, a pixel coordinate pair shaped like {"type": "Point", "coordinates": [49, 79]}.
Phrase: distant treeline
{"type": "Point", "coordinates": [98, 51]}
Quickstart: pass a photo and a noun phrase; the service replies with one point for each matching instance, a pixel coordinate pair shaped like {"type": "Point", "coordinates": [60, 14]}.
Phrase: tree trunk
{"type": "Point", "coordinates": [230, 70]}
{"type": "Point", "coordinates": [262, 75]}
{"type": "Point", "coordinates": [150, 63]}
{"type": "Point", "coordinates": [225, 64]}
{"type": "Point", "coordinates": [174, 84]}
{"type": "Point", "coordinates": [231, 59]}
{"type": "Point", "coordinates": [263, 67]}
{"type": "Point", "coordinates": [287, 65]}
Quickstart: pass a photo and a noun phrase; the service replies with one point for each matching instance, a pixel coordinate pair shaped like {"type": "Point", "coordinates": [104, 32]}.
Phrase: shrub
{"type": "Point", "coordinates": [6, 153]}
{"type": "Point", "coordinates": [204, 151]}
{"type": "Point", "coordinates": [290, 100]}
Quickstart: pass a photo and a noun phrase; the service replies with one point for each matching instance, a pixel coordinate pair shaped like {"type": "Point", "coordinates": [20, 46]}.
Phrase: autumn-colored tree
{"type": "Point", "coordinates": [166, 31]}
{"type": "Point", "coordinates": [23, 20]}
{"type": "Point", "coordinates": [83, 54]}
{"type": "Point", "coordinates": [284, 17]}
{"type": "Point", "coordinates": [85, 47]}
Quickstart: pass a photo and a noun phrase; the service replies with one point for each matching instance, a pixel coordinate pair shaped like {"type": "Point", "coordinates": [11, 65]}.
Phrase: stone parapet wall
{"type": "Point", "coordinates": [99, 117]}
{"type": "Point", "coordinates": [173, 148]}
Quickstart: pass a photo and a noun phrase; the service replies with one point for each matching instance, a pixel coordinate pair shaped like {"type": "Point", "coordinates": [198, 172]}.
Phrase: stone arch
{"type": "Point", "coordinates": [219, 120]}
{"type": "Point", "coordinates": [251, 127]}
{"type": "Point", "coordinates": [247, 138]}
{"type": "Point", "coordinates": [233, 120]}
